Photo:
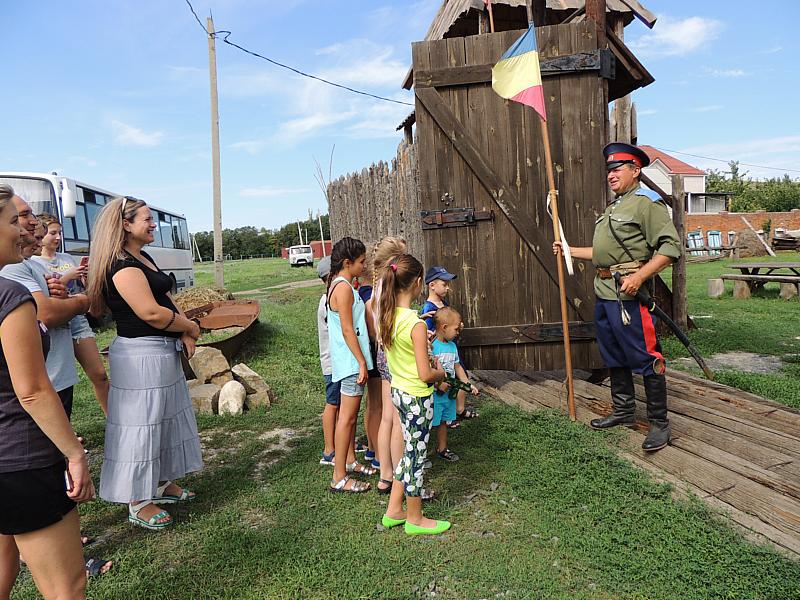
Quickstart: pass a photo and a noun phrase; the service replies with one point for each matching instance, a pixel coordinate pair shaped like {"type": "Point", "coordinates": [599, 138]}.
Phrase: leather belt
{"type": "Point", "coordinates": [604, 273]}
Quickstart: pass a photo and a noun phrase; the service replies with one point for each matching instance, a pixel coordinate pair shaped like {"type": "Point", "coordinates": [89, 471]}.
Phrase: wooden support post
{"type": "Point", "coordinates": [596, 11]}
{"type": "Point", "coordinates": [219, 263]}
{"type": "Point", "coordinates": [679, 312]}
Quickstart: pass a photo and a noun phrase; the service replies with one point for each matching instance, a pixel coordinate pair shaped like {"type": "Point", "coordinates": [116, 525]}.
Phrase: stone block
{"type": "Point", "coordinates": [716, 288]}
{"type": "Point", "coordinates": [789, 291]}
{"type": "Point", "coordinates": [257, 400]}
{"type": "Point", "coordinates": [222, 378]}
{"type": "Point", "coordinates": [205, 398]}
{"type": "Point", "coordinates": [741, 290]}
{"type": "Point", "coordinates": [193, 383]}
{"type": "Point", "coordinates": [208, 363]}
{"type": "Point", "coordinates": [252, 381]}
{"type": "Point", "coordinates": [231, 398]}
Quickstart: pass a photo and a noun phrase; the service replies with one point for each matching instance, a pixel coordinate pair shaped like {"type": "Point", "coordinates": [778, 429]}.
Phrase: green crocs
{"type": "Point", "coordinates": [440, 527]}
{"type": "Point", "coordinates": [389, 522]}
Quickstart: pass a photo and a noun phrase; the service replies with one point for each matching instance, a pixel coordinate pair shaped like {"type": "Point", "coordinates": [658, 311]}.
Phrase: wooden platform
{"type": "Point", "coordinates": [738, 452]}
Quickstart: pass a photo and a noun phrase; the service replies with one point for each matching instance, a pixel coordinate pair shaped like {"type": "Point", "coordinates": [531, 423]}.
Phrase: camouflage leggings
{"type": "Point", "coordinates": [415, 418]}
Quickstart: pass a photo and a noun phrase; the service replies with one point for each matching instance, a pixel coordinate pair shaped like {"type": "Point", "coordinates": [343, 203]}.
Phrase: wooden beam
{"type": "Point", "coordinates": [597, 60]}
{"type": "Point", "coordinates": [657, 189]}
{"type": "Point", "coordinates": [679, 314]}
{"type": "Point", "coordinates": [503, 195]}
{"type": "Point", "coordinates": [532, 333]}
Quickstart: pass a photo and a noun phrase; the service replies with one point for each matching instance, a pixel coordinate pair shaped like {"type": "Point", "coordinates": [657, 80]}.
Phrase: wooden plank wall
{"type": "Point", "coordinates": [500, 280]}
{"type": "Point", "coordinates": [380, 200]}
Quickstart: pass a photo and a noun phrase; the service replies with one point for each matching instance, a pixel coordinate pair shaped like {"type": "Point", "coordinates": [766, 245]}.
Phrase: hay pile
{"type": "Point", "coordinates": [199, 296]}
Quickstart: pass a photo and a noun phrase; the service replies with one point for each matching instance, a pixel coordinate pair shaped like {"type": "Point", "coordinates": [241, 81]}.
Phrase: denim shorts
{"type": "Point", "coordinates": [333, 391]}
{"type": "Point", "coordinates": [349, 386]}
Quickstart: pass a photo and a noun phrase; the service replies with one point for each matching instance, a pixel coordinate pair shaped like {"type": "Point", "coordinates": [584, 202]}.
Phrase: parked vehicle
{"type": "Point", "coordinates": [77, 204]}
{"type": "Point", "coordinates": [301, 256]}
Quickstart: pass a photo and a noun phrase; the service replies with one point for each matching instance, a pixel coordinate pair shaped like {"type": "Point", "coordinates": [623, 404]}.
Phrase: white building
{"type": "Point", "coordinates": [661, 168]}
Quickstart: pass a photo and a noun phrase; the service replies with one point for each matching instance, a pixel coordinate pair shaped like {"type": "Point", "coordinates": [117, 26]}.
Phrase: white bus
{"type": "Point", "coordinates": [77, 206]}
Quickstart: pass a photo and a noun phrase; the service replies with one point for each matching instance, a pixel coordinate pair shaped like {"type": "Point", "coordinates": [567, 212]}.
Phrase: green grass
{"type": "Point", "coordinates": [253, 274]}
{"type": "Point", "coordinates": [542, 508]}
{"type": "Point", "coordinates": [763, 323]}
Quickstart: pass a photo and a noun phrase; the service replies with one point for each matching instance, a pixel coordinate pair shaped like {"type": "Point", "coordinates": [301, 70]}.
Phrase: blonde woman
{"type": "Point", "coordinates": [38, 514]}
{"type": "Point", "coordinates": [151, 432]}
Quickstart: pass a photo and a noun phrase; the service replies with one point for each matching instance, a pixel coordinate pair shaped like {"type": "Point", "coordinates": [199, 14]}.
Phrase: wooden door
{"type": "Point", "coordinates": [477, 151]}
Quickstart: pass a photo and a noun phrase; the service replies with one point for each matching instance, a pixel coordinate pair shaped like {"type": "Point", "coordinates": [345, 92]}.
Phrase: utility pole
{"type": "Point", "coordinates": [219, 264]}
{"type": "Point", "coordinates": [321, 234]}
{"type": "Point", "coordinates": [299, 233]}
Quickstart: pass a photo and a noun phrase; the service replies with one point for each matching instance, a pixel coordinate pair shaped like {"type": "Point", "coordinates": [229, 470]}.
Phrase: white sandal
{"type": "Point", "coordinates": [152, 522]}
{"type": "Point", "coordinates": [161, 498]}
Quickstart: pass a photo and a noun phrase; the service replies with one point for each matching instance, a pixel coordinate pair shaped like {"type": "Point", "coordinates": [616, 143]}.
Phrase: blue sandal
{"type": "Point", "coordinates": [152, 522]}
{"type": "Point", "coordinates": [162, 498]}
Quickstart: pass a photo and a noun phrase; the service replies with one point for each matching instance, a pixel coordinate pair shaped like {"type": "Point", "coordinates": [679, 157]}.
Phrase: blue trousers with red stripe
{"type": "Point", "coordinates": [635, 346]}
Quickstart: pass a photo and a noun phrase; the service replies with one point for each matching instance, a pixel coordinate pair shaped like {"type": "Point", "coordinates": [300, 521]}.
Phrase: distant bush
{"type": "Point", "coordinates": [778, 194]}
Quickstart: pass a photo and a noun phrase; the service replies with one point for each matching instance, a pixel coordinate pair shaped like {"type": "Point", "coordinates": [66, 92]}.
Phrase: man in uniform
{"type": "Point", "coordinates": [634, 237]}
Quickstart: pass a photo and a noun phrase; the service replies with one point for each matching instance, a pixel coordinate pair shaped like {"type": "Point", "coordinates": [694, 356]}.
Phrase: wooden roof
{"type": "Point", "coordinates": [452, 10]}
{"type": "Point", "coordinates": [672, 164]}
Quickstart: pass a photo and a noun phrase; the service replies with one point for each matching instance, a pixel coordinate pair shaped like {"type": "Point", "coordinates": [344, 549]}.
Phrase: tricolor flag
{"type": "Point", "coordinates": [517, 76]}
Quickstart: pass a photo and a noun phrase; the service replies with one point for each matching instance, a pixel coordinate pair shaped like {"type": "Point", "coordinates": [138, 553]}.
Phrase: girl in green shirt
{"type": "Point", "coordinates": [404, 337]}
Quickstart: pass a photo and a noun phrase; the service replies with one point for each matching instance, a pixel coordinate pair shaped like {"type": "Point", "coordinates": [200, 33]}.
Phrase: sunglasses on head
{"type": "Point", "coordinates": [124, 202]}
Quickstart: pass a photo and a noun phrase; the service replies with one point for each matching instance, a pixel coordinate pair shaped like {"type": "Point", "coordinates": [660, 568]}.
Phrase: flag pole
{"type": "Point", "coordinates": [553, 196]}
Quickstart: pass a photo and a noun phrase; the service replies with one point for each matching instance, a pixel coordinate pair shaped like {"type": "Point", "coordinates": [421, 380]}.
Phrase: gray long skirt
{"type": "Point", "coordinates": [151, 431]}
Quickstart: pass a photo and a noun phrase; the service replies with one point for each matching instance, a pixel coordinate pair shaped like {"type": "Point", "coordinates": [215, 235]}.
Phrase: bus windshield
{"type": "Point", "coordinates": [39, 193]}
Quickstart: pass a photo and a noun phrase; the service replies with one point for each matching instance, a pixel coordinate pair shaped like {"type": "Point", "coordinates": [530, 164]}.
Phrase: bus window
{"type": "Point", "coordinates": [80, 222]}
{"type": "Point", "coordinates": [76, 247]}
{"type": "Point", "coordinates": [68, 227]}
{"type": "Point", "coordinates": [184, 235]}
{"type": "Point", "coordinates": [92, 211]}
{"type": "Point", "coordinates": [165, 226]}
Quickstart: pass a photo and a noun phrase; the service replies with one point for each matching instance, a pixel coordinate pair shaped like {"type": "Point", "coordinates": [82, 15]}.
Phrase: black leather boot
{"type": "Point", "coordinates": [655, 387]}
{"type": "Point", "coordinates": [622, 399]}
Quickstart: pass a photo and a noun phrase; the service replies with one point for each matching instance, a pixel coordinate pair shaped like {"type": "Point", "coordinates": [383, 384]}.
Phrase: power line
{"type": "Point", "coordinates": [225, 39]}
{"type": "Point", "coordinates": [729, 161]}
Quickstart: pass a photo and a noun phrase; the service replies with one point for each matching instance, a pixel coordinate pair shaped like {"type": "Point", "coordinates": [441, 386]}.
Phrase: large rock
{"type": "Point", "coordinates": [222, 378]}
{"type": "Point", "coordinates": [257, 400]}
{"type": "Point", "coordinates": [252, 382]}
{"type": "Point", "coordinates": [205, 398]}
{"type": "Point", "coordinates": [231, 398]}
{"type": "Point", "coordinates": [193, 383]}
{"type": "Point", "coordinates": [208, 363]}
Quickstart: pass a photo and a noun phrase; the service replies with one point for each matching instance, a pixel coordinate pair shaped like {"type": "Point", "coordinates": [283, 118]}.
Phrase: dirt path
{"type": "Point", "coordinates": [292, 285]}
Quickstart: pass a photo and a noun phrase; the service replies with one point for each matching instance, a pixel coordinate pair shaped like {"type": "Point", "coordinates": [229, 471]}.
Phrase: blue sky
{"type": "Point", "coordinates": [116, 93]}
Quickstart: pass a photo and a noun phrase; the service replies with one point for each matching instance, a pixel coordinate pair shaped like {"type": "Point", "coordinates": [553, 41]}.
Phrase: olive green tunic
{"type": "Point", "coordinates": [641, 221]}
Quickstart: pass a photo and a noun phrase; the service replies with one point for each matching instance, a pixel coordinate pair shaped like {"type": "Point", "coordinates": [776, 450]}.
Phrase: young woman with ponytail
{"type": "Point", "coordinates": [350, 358]}
{"type": "Point", "coordinates": [405, 340]}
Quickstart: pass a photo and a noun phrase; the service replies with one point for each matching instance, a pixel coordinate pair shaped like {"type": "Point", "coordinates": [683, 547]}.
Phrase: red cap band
{"type": "Point", "coordinates": [624, 156]}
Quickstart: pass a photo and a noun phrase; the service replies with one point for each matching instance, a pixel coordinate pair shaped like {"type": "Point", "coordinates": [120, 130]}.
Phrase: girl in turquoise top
{"type": "Point", "coordinates": [350, 358]}
{"type": "Point", "coordinates": [405, 339]}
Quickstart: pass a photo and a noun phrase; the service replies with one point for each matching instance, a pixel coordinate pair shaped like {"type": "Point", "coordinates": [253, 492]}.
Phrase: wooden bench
{"type": "Point", "coordinates": [755, 282]}
{"type": "Point", "coordinates": [762, 279]}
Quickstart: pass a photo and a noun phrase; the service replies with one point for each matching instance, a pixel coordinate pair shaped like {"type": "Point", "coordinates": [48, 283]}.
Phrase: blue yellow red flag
{"type": "Point", "coordinates": [517, 75]}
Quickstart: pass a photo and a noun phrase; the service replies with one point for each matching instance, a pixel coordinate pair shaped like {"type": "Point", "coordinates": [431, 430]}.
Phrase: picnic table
{"type": "Point", "coordinates": [756, 274]}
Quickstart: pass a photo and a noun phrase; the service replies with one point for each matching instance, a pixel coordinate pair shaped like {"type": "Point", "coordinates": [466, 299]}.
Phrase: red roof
{"type": "Point", "coordinates": [673, 164]}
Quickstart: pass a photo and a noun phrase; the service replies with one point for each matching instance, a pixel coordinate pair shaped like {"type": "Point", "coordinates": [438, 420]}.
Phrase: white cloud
{"type": "Point", "coordinates": [85, 160]}
{"type": "Point", "coordinates": [727, 72]}
{"type": "Point", "coordinates": [677, 37]}
{"type": "Point", "coordinates": [267, 191]}
{"type": "Point", "coordinates": [127, 135]}
{"type": "Point", "coordinates": [708, 108]}
{"type": "Point", "coordinates": [646, 112]}
{"type": "Point", "coordinates": [772, 50]}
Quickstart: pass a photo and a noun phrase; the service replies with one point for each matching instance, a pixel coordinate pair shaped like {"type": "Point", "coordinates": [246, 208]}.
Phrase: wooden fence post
{"type": "Point", "coordinates": [679, 310]}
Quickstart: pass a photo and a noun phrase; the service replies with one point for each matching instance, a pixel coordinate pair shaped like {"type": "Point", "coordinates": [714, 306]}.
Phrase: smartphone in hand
{"type": "Point", "coordinates": [84, 261]}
